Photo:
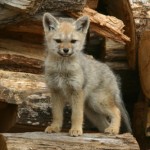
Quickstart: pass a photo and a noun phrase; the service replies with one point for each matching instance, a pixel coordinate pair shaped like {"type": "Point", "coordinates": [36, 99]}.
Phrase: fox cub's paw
{"type": "Point", "coordinates": [75, 132]}
{"type": "Point", "coordinates": [52, 129]}
{"type": "Point", "coordinates": [112, 130]}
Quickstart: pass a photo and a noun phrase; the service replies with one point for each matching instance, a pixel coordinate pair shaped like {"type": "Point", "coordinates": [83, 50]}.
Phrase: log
{"type": "Point", "coordinates": [21, 56]}
{"type": "Point", "coordinates": [144, 62]}
{"type": "Point", "coordinates": [42, 141]}
{"type": "Point", "coordinates": [32, 6]}
{"type": "Point", "coordinates": [16, 87]}
{"type": "Point", "coordinates": [108, 26]}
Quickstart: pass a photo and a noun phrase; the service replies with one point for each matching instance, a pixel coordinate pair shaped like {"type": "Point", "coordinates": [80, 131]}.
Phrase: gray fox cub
{"type": "Point", "coordinates": [89, 86]}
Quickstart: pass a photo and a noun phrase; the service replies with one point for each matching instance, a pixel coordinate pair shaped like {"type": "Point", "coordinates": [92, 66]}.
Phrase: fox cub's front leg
{"type": "Point", "coordinates": [77, 103]}
{"type": "Point", "coordinates": [57, 111]}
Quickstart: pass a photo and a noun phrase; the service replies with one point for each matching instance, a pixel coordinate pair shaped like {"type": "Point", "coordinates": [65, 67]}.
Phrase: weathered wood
{"type": "Point", "coordinates": [15, 87]}
{"type": "Point", "coordinates": [42, 141]}
{"type": "Point", "coordinates": [32, 6]}
{"type": "Point", "coordinates": [144, 62]}
{"type": "Point", "coordinates": [108, 26]}
{"type": "Point", "coordinates": [21, 56]}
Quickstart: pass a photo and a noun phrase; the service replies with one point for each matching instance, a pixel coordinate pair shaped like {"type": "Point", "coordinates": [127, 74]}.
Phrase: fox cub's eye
{"type": "Point", "coordinates": [73, 41]}
{"type": "Point", "coordinates": [58, 40]}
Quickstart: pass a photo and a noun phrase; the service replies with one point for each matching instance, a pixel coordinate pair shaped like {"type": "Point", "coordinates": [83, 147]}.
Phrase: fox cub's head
{"type": "Point", "coordinates": [64, 38]}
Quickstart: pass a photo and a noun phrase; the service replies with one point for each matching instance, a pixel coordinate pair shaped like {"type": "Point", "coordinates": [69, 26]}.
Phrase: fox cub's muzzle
{"type": "Point", "coordinates": [65, 52]}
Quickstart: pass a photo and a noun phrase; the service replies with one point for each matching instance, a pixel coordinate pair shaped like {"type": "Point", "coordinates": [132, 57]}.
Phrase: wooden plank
{"type": "Point", "coordinates": [144, 62]}
{"type": "Point", "coordinates": [43, 141]}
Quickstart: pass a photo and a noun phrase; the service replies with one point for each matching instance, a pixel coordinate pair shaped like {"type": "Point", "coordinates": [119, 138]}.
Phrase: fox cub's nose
{"type": "Point", "coordinates": [66, 50]}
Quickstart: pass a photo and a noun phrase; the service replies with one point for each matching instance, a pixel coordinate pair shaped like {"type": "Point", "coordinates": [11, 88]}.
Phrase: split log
{"type": "Point", "coordinates": [42, 141]}
{"type": "Point", "coordinates": [108, 26]}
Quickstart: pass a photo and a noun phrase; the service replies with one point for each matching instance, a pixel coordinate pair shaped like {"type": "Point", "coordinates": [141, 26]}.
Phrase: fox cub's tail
{"type": "Point", "coordinates": [125, 121]}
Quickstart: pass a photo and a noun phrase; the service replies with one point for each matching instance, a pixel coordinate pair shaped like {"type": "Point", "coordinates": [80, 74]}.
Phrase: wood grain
{"type": "Point", "coordinates": [43, 141]}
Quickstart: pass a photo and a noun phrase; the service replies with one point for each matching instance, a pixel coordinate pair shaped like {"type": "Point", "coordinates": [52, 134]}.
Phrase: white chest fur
{"type": "Point", "coordinates": [64, 75]}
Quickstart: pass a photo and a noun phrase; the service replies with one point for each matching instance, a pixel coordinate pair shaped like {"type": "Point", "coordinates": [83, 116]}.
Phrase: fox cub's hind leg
{"type": "Point", "coordinates": [103, 112]}
{"type": "Point", "coordinates": [57, 111]}
{"type": "Point", "coordinates": [113, 114]}
{"type": "Point", "coordinates": [115, 120]}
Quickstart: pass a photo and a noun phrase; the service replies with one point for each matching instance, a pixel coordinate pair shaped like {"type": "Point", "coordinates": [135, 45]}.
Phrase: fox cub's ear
{"type": "Point", "coordinates": [49, 22]}
{"type": "Point", "coordinates": [82, 24]}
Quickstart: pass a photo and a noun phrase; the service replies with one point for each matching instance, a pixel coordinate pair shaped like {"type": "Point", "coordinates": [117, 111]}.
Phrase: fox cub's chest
{"type": "Point", "coordinates": [65, 80]}
{"type": "Point", "coordinates": [64, 75]}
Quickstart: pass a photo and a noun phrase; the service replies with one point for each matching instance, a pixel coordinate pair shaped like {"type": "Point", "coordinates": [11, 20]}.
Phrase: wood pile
{"type": "Point", "coordinates": [25, 103]}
